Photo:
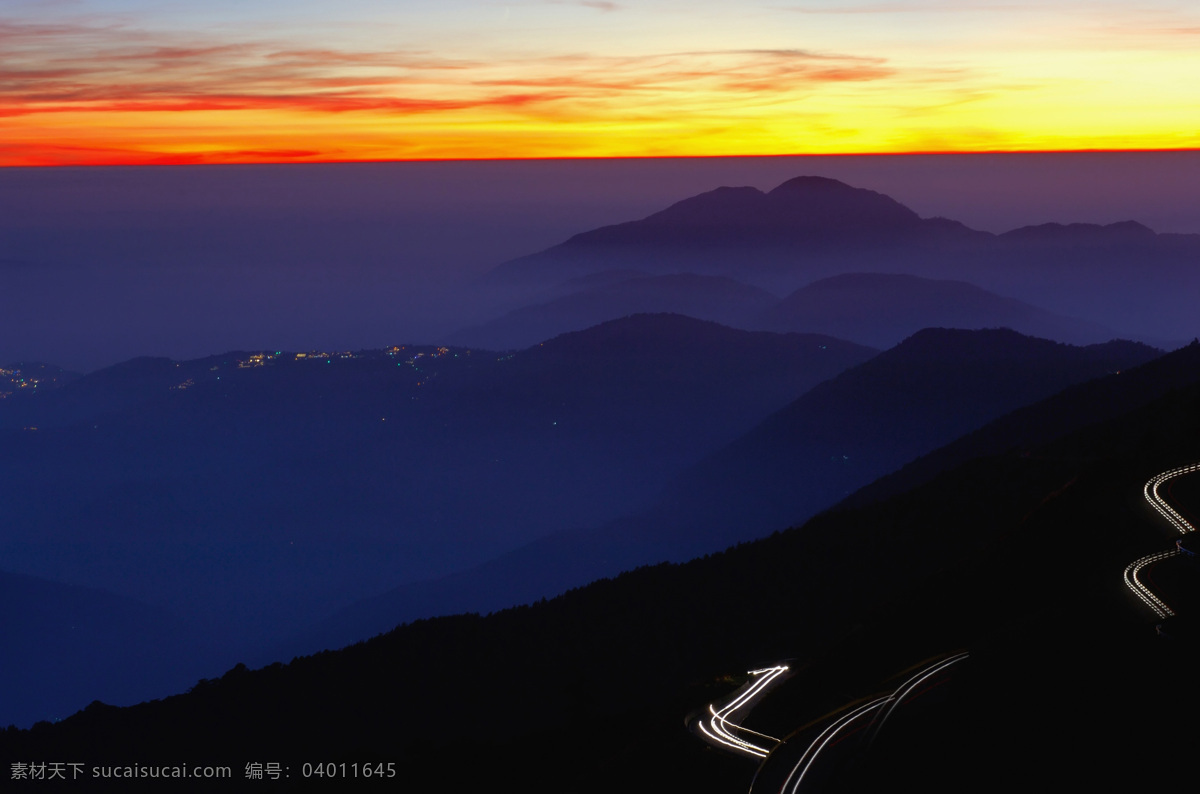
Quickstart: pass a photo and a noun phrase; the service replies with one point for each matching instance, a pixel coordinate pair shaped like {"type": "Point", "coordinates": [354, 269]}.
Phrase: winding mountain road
{"type": "Point", "coordinates": [1134, 570]}
{"type": "Point", "coordinates": [865, 719]}
{"type": "Point", "coordinates": [722, 726]}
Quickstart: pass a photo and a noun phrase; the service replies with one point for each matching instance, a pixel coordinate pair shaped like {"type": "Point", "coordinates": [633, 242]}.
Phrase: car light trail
{"type": "Point", "coordinates": [1151, 492]}
{"type": "Point", "coordinates": [1177, 521]}
{"type": "Point", "coordinates": [721, 727]}
{"type": "Point", "coordinates": [842, 724]}
{"type": "Point", "coordinates": [1140, 590]}
{"type": "Point", "coordinates": [831, 732]}
{"type": "Point", "coordinates": [906, 689]}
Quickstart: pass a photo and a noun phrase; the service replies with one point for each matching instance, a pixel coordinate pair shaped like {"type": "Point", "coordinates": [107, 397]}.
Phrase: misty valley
{"type": "Point", "coordinates": [787, 490]}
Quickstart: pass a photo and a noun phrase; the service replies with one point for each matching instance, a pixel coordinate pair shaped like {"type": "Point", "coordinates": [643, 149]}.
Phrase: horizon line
{"type": "Point", "coordinates": [377, 161]}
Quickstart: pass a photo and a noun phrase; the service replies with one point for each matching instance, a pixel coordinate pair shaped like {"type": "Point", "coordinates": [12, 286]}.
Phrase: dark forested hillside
{"type": "Point", "coordinates": [1016, 557]}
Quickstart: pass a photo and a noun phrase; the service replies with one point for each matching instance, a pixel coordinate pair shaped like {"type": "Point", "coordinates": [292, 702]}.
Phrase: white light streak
{"type": "Point", "coordinates": [721, 727]}
{"type": "Point", "coordinates": [888, 702]}
{"type": "Point", "coordinates": [1139, 588]}
{"type": "Point", "coordinates": [1158, 503]}
{"type": "Point", "coordinates": [1177, 521]}
{"type": "Point", "coordinates": [823, 739]}
{"type": "Point", "coordinates": [905, 689]}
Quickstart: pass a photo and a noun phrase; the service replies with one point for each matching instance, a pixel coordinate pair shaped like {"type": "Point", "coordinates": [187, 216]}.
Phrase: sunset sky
{"type": "Point", "coordinates": [133, 81]}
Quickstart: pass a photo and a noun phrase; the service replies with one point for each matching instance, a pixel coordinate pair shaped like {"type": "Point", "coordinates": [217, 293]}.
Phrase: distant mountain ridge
{"type": "Point", "coordinates": [254, 492]}
{"type": "Point", "coordinates": [806, 205]}
{"type": "Point", "coordinates": [716, 298]}
{"type": "Point", "coordinates": [1130, 232]}
{"type": "Point", "coordinates": [698, 233]}
{"type": "Point", "coordinates": [837, 437]}
{"type": "Point", "coordinates": [1120, 275]}
{"type": "Point", "coordinates": [876, 309]}
{"type": "Point", "coordinates": [881, 309]}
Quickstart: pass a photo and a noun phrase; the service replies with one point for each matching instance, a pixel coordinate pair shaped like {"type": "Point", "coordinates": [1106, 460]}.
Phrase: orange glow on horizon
{"type": "Point", "coordinates": [850, 125]}
{"type": "Point", "coordinates": [229, 137]}
{"type": "Point", "coordinates": [85, 94]}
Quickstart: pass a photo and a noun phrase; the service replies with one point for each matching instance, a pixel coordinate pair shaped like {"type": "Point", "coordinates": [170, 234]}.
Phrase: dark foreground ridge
{"type": "Point", "coordinates": [1016, 556]}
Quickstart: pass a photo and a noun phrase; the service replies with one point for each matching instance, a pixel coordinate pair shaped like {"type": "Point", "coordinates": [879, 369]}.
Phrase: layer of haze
{"type": "Point", "coordinates": [98, 265]}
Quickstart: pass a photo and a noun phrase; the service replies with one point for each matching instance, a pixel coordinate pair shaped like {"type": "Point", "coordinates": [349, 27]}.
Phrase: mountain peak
{"type": "Point", "coordinates": [824, 202]}
{"type": "Point", "coordinates": [814, 183]}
